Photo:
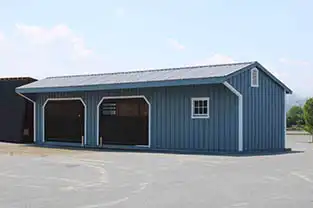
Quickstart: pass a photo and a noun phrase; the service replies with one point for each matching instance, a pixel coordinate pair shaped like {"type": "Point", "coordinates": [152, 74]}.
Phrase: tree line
{"type": "Point", "coordinates": [301, 118]}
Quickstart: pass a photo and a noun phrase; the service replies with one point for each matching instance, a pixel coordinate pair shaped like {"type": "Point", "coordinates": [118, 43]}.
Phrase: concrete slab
{"type": "Point", "coordinates": [40, 177]}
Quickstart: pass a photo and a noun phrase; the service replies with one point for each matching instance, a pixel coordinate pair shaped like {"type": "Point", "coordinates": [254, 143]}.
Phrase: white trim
{"type": "Point", "coordinates": [125, 97]}
{"type": "Point", "coordinates": [34, 115]}
{"type": "Point", "coordinates": [240, 116]}
{"type": "Point", "coordinates": [207, 115]}
{"type": "Point", "coordinates": [254, 70]}
{"type": "Point", "coordinates": [285, 116]}
{"type": "Point", "coordinates": [60, 99]}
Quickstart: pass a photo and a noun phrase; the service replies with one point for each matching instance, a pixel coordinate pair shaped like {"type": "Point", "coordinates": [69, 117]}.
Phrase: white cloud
{"type": "Point", "coordinates": [120, 12]}
{"type": "Point", "coordinates": [41, 35]}
{"type": "Point", "coordinates": [44, 35]}
{"type": "Point", "coordinates": [40, 52]}
{"type": "Point", "coordinates": [175, 44]}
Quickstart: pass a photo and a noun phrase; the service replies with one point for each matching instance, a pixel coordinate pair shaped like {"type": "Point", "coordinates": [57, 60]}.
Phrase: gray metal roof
{"type": "Point", "coordinates": [171, 74]}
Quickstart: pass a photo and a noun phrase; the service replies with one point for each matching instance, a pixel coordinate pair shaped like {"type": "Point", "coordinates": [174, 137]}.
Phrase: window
{"type": "Point", "coordinates": [254, 78]}
{"type": "Point", "coordinates": [108, 109]}
{"type": "Point", "coordinates": [200, 108]}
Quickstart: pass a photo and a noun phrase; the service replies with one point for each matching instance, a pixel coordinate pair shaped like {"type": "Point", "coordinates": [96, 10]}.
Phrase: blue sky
{"type": "Point", "coordinates": [53, 37]}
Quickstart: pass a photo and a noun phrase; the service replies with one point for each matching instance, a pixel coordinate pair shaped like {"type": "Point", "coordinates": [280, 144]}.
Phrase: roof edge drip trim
{"type": "Point", "coordinates": [168, 83]}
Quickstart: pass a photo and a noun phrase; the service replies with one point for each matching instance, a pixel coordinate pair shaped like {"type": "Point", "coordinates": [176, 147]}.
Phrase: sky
{"type": "Point", "coordinates": [41, 38]}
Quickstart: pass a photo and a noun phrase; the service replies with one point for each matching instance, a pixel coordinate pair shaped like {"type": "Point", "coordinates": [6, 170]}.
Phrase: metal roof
{"type": "Point", "coordinates": [18, 78]}
{"type": "Point", "coordinates": [144, 78]}
{"type": "Point", "coordinates": [139, 76]}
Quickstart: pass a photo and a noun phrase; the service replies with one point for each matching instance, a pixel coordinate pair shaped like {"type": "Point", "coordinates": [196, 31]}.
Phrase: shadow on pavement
{"type": "Point", "coordinates": [160, 151]}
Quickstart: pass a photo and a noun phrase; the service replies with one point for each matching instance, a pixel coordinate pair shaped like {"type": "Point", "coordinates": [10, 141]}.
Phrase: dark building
{"type": "Point", "coordinates": [16, 120]}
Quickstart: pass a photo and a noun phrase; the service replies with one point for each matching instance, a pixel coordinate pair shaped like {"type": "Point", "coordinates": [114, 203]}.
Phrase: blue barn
{"type": "Point", "coordinates": [216, 108]}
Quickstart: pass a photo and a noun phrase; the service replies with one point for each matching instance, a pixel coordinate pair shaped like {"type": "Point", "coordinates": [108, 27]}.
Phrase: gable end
{"type": "Point", "coordinates": [258, 66]}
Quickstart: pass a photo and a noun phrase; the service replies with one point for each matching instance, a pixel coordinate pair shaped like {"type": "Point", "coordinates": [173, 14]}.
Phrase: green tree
{"type": "Point", "coordinates": [308, 116]}
{"type": "Point", "coordinates": [295, 116]}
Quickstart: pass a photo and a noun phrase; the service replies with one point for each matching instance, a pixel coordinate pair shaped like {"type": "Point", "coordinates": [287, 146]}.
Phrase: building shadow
{"type": "Point", "coordinates": [163, 151]}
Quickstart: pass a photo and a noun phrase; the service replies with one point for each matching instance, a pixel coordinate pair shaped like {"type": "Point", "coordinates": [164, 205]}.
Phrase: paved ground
{"type": "Point", "coordinates": [39, 177]}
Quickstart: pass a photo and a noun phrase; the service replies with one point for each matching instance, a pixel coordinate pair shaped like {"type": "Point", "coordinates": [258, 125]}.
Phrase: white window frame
{"type": "Point", "coordinates": [255, 70]}
{"type": "Point", "coordinates": [207, 115]}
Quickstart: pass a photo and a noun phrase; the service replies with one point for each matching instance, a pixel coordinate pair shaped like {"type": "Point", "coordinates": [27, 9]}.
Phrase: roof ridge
{"type": "Point", "coordinates": [153, 70]}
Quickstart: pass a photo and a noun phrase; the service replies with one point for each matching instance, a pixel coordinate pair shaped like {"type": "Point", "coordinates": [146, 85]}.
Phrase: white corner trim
{"type": "Point", "coordinates": [240, 116]}
{"type": "Point", "coordinates": [192, 107]}
{"type": "Point", "coordinates": [125, 97]}
{"type": "Point", "coordinates": [34, 115]}
{"type": "Point", "coordinates": [285, 116]}
{"type": "Point", "coordinates": [60, 99]}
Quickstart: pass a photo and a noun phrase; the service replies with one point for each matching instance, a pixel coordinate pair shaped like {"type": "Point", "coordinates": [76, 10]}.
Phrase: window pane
{"type": "Point", "coordinates": [196, 111]}
{"type": "Point", "coordinates": [205, 103]}
{"type": "Point", "coordinates": [205, 110]}
{"type": "Point", "coordinates": [200, 111]}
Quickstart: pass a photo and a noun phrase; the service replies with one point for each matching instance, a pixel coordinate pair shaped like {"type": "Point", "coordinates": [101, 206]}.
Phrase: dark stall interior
{"type": "Point", "coordinates": [124, 122]}
{"type": "Point", "coordinates": [64, 121]}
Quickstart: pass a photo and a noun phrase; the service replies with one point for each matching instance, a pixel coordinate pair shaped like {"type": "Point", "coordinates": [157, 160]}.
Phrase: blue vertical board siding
{"type": "Point", "coordinates": [172, 127]}
{"type": "Point", "coordinates": [263, 112]}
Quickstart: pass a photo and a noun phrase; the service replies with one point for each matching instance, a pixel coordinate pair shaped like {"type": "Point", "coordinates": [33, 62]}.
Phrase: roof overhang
{"type": "Point", "coordinates": [168, 83]}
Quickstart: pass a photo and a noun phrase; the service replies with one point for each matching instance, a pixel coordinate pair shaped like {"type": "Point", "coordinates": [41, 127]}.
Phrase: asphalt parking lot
{"type": "Point", "coordinates": [40, 177]}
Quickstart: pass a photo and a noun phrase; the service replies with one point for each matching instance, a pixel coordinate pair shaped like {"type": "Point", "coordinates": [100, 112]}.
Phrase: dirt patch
{"type": "Point", "coordinates": [21, 149]}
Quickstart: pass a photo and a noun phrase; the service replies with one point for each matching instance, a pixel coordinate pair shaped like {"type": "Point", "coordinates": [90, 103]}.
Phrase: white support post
{"type": "Point", "coordinates": [240, 115]}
